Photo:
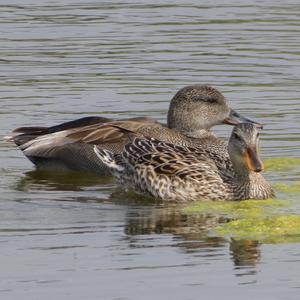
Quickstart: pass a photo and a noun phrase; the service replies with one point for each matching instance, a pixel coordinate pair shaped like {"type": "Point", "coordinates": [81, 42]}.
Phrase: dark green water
{"type": "Point", "coordinates": [63, 236]}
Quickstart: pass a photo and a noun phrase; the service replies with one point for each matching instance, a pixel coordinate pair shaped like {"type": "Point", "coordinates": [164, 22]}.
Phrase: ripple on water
{"type": "Point", "coordinates": [70, 58]}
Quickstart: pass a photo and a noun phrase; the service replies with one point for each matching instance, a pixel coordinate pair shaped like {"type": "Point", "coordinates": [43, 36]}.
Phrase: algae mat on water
{"type": "Point", "coordinates": [289, 189]}
{"type": "Point", "coordinates": [237, 209]}
{"type": "Point", "coordinates": [281, 163]}
{"type": "Point", "coordinates": [290, 166]}
{"type": "Point", "coordinates": [271, 229]}
{"type": "Point", "coordinates": [262, 220]}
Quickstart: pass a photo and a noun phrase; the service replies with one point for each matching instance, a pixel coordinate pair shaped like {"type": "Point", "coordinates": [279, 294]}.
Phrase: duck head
{"type": "Point", "coordinates": [243, 149]}
{"type": "Point", "coordinates": [200, 107]}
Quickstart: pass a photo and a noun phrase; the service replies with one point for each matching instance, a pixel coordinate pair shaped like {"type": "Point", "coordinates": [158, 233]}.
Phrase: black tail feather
{"type": "Point", "coordinates": [63, 126]}
{"type": "Point", "coordinates": [30, 130]}
{"type": "Point", "coordinates": [78, 123]}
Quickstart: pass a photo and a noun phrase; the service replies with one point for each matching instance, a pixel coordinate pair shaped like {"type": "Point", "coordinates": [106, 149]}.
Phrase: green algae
{"type": "Point", "coordinates": [292, 189]}
{"type": "Point", "coordinates": [281, 163]}
{"type": "Point", "coordinates": [266, 221]}
{"type": "Point", "coordinates": [271, 229]}
{"type": "Point", "coordinates": [239, 209]}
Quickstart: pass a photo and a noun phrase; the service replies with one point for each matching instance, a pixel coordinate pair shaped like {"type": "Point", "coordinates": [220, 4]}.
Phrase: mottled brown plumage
{"type": "Point", "coordinates": [179, 173]}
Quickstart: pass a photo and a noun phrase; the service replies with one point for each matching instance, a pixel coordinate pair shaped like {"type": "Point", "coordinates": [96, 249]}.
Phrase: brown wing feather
{"type": "Point", "coordinates": [171, 159]}
{"type": "Point", "coordinates": [111, 132]}
{"type": "Point", "coordinates": [156, 168]}
{"type": "Point", "coordinates": [162, 156]}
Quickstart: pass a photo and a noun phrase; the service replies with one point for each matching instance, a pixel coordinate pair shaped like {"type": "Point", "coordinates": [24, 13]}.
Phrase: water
{"type": "Point", "coordinates": [65, 236]}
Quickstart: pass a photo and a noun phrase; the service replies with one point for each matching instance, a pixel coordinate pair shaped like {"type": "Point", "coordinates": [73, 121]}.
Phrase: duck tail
{"type": "Point", "coordinates": [109, 159]}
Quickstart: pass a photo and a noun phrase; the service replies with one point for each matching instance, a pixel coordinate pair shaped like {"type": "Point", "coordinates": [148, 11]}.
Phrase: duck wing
{"type": "Point", "coordinates": [136, 150]}
{"type": "Point", "coordinates": [171, 172]}
{"type": "Point", "coordinates": [70, 145]}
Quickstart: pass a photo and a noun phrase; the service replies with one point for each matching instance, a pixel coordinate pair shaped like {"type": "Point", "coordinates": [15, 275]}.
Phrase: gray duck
{"type": "Point", "coordinates": [179, 173]}
{"type": "Point", "coordinates": [69, 146]}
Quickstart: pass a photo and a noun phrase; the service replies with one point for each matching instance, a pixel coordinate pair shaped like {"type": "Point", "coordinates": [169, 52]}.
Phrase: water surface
{"type": "Point", "coordinates": [75, 236]}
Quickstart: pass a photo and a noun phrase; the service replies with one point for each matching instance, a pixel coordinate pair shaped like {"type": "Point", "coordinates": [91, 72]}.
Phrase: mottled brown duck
{"type": "Point", "coordinates": [69, 146]}
{"type": "Point", "coordinates": [178, 173]}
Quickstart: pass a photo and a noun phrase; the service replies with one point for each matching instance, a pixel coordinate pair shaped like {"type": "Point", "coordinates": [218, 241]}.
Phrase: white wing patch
{"type": "Point", "coordinates": [108, 159]}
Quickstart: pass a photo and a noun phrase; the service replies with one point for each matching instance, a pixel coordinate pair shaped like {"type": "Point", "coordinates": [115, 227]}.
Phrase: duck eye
{"type": "Point", "coordinates": [237, 137]}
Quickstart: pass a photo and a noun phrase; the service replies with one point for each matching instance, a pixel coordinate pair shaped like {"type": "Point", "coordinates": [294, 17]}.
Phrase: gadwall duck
{"type": "Point", "coordinates": [177, 173]}
{"type": "Point", "coordinates": [192, 112]}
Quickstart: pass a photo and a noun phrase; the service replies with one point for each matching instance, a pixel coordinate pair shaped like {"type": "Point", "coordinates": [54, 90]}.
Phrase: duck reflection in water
{"type": "Point", "coordinates": [191, 232]}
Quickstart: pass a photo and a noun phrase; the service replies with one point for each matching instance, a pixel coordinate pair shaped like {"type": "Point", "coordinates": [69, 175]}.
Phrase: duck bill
{"type": "Point", "coordinates": [253, 160]}
{"type": "Point", "coordinates": [235, 118]}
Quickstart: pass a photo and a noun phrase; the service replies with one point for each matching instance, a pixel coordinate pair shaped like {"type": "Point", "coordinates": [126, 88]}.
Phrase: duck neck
{"type": "Point", "coordinates": [196, 134]}
{"type": "Point", "coordinates": [251, 185]}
